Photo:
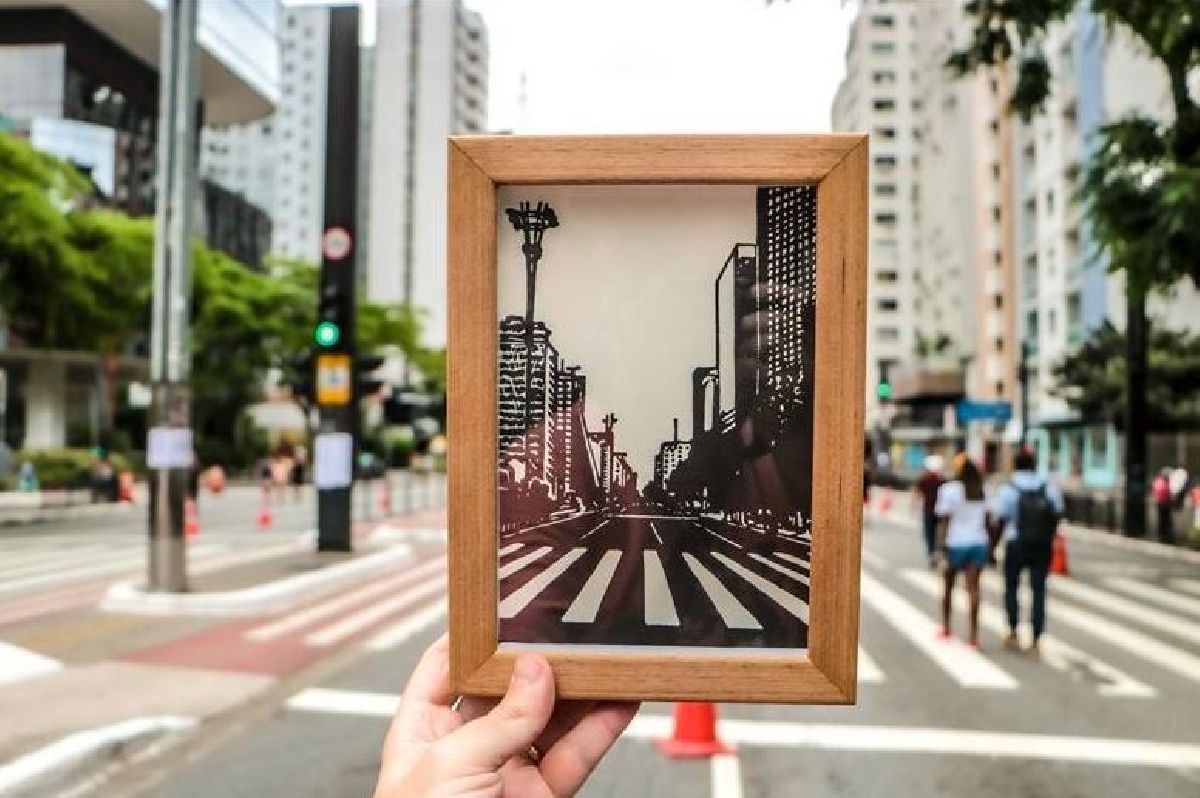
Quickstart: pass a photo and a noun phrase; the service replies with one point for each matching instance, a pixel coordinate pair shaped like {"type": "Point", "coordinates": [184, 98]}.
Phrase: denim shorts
{"type": "Point", "coordinates": [972, 555]}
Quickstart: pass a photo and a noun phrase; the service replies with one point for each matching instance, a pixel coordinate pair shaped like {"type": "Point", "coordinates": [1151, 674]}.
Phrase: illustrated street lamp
{"type": "Point", "coordinates": [532, 221]}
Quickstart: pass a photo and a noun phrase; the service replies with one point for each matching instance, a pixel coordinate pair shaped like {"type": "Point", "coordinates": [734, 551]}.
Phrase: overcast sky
{"type": "Point", "coordinates": [661, 66]}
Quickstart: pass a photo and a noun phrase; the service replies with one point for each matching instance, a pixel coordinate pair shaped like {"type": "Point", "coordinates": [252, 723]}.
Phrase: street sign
{"type": "Point", "coordinates": [333, 380]}
{"type": "Point", "coordinates": [969, 411]}
{"type": "Point", "coordinates": [335, 243]}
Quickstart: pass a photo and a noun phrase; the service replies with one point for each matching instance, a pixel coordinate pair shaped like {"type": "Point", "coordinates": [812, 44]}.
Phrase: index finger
{"type": "Point", "coordinates": [572, 759]}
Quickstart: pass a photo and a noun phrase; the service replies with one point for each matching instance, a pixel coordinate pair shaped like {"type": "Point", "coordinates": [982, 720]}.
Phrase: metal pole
{"type": "Point", "coordinates": [1023, 380]}
{"type": "Point", "coordinates": [169, 448]}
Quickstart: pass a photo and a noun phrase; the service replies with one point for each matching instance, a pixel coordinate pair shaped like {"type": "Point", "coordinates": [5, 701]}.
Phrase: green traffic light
{"type": "Point", "coordinates": [327, 334]}
{"type": "Point", "coordinates": [884, 390]}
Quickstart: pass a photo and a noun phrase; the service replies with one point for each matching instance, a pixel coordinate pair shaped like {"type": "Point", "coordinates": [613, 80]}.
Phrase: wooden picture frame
{"type": "Point", "coordinates": [825, 673]}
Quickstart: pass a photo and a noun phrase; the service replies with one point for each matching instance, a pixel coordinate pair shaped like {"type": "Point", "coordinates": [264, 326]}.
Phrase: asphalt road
{"type": "Point", "coordinates": [1109, 709]}
{"type": "Point", "coordinates": [645, 579]}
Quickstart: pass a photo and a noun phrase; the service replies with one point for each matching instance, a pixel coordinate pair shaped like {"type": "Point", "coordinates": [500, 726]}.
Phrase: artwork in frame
{"type": "Point", "coordinates": [655, 450]}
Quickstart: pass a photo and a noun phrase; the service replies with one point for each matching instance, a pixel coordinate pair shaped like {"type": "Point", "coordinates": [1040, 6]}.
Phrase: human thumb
{"type": "Point", "coordinates": [513, 724]}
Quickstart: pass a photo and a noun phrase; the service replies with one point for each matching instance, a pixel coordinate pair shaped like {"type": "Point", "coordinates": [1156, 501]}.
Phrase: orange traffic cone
{"type": "Point", "coordinates": [1058, 557]}
{"type": "Point", "coordinates": [264, 517]}
{"type": "Point", "coordinates": [885, 500]}
{"type": "Point", "coordinates": [191, 519]}
{"type": "Point", "coordinates": [385, 500]}
{"type": "Point", "coordinates": [695, 732]}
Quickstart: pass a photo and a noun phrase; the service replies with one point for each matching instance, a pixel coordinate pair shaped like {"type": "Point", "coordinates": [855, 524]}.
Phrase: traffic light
{"type": "Point", "coordinates": [364, 366]}
{"type": "Point", "coordinates": [333, 317]}
{"type": "Point", "coordinates": [884, 390]}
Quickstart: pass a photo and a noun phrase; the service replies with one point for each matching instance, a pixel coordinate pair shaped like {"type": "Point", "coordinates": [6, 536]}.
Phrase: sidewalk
{"type": "Point", "coordinates": [143, 688]}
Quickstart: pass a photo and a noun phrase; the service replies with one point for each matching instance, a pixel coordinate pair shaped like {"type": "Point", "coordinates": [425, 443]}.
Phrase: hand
{"type": "Point", "coordinates": [487, 748]}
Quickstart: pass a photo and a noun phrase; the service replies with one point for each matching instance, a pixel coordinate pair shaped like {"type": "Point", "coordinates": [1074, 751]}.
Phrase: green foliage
{"type": "Point", "coordinates": [65, 468]}
{"type": "Point", "coordinates": [1092, 379]}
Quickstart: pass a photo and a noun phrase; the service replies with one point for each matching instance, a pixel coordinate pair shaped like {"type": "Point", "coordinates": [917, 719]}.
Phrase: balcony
{"type": "Point", "coordinates": [921, 385]}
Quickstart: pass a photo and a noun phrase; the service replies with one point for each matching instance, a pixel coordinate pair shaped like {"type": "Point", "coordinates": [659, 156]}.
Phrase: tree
{"type": "Point", "coordinates": [1141, 189]}
{"type": "Point", "coordinates": [1092, 379]}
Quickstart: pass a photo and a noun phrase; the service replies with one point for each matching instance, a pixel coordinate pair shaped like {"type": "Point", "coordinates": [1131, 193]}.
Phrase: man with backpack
{"type": "Point", "coordinates": [1026, 511]}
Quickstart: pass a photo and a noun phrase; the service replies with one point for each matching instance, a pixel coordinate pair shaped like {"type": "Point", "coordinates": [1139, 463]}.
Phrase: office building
{"type": "Point", "coordinates": [430, 78]}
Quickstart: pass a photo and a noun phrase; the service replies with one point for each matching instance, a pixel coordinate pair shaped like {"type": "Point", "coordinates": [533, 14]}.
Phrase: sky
{"type": "Point", "coordinates": [660, 66]}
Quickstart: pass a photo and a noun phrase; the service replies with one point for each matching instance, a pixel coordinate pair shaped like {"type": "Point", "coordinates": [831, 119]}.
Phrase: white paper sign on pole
{"type": "Point", "coordinates": [169, 447]}
{"type": "Point", "coordinates": [333, 456]}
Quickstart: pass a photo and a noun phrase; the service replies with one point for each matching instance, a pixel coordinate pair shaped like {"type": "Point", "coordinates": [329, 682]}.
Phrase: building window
{"type": "Point", "coordinates": [883, 77]}
{"type": "Point", "coordinates": [999, 387]}
{"type": "Point", "coordinates": [887, 305]}
{"type": "Point", "coordinates": [887, 276]}
{"type": "Point", "coordinates": [885, 161]}
{"type": "Point", "coordinates": [887, 333]}
{"type": "Point", "coordinates": [887, 218]}
{"type": "Point", "coordinates": [885, 189]}
{"type": "Point", "coordinates": [885, 133]}
{"type": "Point", "coordinates": [883, 48]}
{"type": "Point", "coordinates": [996, 213]}
{"type": "Point", "coordinates": [999, 345]}
{"type": "Point", "coordinates": [882, 21]}
{"type": "Point", "coordinates": [884, 104]}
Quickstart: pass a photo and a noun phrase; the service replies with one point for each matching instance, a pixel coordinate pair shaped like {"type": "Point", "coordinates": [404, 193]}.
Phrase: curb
{"type": "Point", "coordinates": [275, 596]}
{"type": "Point", "coordinates": [1150, 547]}
{"type": "Point", "coordinates": [36, 772]}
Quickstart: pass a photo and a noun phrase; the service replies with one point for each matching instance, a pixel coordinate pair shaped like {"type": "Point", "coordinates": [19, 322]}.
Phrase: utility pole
{"type": "Point", "coordinates": [169, 451]}
{"type": "Point", "coordinates": [334, 335]}
{"type": "Point", "coordinates": [1023, 381]}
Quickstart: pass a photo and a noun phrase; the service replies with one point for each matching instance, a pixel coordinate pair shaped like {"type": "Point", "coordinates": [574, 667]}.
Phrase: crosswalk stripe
{"type": "Point", "coordinates": [18, 664]}
{"type": "Point", "coordinates": [400, 633]}
{"type": "Point", "coordinates": [305, 617]}
{"type": "Point", "coordinates": [1120, 636]}
{"type": "Point", "coordinates": [1190, 585]}
{"type": "Point", "coordinates": [799, 577]}
{"type": "Point", "coordinates": [512, 567]}
{"type": "Point", "coordinates": [968, 668]}
{"type": "Point", "coordinates": [22, 563]}
{"type": "Point", "coordinates": [659, 606]}
{"type": "Point", "coordinates": [519, 599]}
{"type": "Point", "coordinates": [1055, 652]}
{"type": "Point", "coordinates": [585, 606]}
{"type": "Point", "coordinates": [793, 604]}
{"type": "Point", "coordinates": [1155, 594]}
{"type": "Point", "coordinates": [363, 619]}
{"type": "Point", "coordinates": [791, 558]}
{"type": "Point", "coordinates": [510, 548]}
{"type": "Point", "coordinates": [1110, 602]}
{"type": "Point", "coordinates": [868, 670]}
{"type": "Point", "coordinates": [728, 607]}
{"type": "Point", "coordinates": [654, 530]}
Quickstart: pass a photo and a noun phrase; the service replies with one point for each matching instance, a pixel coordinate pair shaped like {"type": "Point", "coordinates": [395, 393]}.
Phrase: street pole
{"type": "Point", "coordinates": [1023, 381]}
{"type": "Point", "coordinates": [1136, 476]}
{"type": "Point", "coordinates": [169, 446]}
{"type": "Point", "coordinates": [337, 435]}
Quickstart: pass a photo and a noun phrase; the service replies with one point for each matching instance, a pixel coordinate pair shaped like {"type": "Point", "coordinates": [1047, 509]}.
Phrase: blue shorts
{"type": "Point", "coordinates": [974, 555]}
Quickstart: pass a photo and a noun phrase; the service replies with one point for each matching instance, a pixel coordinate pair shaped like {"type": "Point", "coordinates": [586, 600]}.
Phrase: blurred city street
{"type": "Point", "coordinates": [1106, 710]}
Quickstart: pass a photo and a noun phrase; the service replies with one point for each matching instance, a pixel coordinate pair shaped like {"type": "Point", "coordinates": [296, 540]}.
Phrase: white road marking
{"type": "Point", "coordinates": [1108, 602]}
{"type": "Point", "coordinates": [844, 737]}
{"type": "Point", "coordinates": [345, 702]}
{"type": "Point", "coordinates": [792, 559]}
{"type": "Point", "coordinates": [1190, 585]}
{"type": "Point", "coordinates": [726, 774]}
{"type": "Point", "coordinates": [872, 559]}
{"type": "Point", "coordinates": [968, 668]}
{"type": "Point", "coordinates": [304, 617]}
{"type": "Point", "coordinates": [1055, 653]}
{"type": "Point", "coordinates": [868, 670]}
{"type": "Point", "coordinates": [659, 606]}
{"type": "Point", "coordinates": [919, 740]}
{"type": "Point", "coordinates": [363, 619]}
{"type": "Point", "coordinates": [585, 606]}
{"type": "Point", "coordinates": [18, 664]}
{"type": "Point", "coordinates": [721, 537]}
{"type": "Point", "coordinates": [1155, 594]}
{"type": "Point", "coordinates": [728, 607]}
{"type": "Point", "coordinates": [414, 624]}
{"type": "Point", "coordinates": [510, 548]}
{"type": "Point", "coordinates": [513, 566]}
{"type": "Point", "coordinates": [656, 535]}
{"type": "Point", "coordinates": [594, 529]}
{"type": "Point", "coordinates": [799, 577]}
{"type": "Point", "coordinates": [793, 604]}
{"type": "Point", "coordinates": [1118, 635]}
{"type": "Point", "coordinates": [520, 598]}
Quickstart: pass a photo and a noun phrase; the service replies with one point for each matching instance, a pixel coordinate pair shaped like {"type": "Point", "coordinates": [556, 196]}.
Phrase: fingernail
{"type": "Point", "coordinates": [528, 669]}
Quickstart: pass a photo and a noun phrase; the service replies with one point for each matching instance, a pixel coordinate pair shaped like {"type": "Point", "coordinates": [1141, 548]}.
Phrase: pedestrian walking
{"type": "Point", "coordinates": [1026, 511]}
{"type": "Point", "coordinates": [963, 545]}
{"type": "Point", "coordinates": [1160, 490]}
{"type": "Point", "coordinates": [927, 487]}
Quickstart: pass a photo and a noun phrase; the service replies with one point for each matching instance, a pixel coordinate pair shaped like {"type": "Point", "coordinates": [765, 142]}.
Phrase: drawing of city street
{"type": "Point", "coordinates": [701, 537]}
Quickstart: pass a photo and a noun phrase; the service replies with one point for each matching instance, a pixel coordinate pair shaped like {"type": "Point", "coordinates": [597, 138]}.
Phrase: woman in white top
{"type": "Point", "coordinates": [963, 542]}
